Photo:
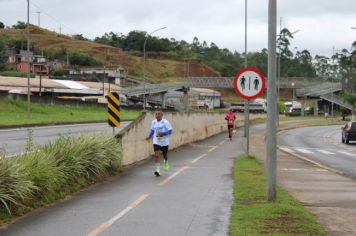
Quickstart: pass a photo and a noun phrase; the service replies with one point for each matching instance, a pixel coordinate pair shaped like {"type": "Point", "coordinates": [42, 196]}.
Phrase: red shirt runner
{"type": "Point", "coordinates": [230, 117]}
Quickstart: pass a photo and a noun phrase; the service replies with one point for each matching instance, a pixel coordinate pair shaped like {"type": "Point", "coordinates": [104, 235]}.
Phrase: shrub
{"type": "Point", "coordinates": [60, 167]}
{"type": "Point", "coordinates": [81, 59]}
{"type": "Point", "coordinates": [16, 74]}
{"type": "Point", "coordinates": [15, 184]}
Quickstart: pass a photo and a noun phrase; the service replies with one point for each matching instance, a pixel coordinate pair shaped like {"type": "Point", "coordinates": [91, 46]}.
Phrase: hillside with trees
{"type": "Point", "coordinates": [171, 60]}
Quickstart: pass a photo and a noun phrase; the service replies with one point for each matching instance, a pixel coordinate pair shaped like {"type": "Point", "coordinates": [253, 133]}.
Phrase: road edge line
{"type": "Point", "coordinates": [311, 161]}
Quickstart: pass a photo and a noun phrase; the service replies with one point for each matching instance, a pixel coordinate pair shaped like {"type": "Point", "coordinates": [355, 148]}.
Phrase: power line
{"type": "Point", "coordinates": [53, 18]}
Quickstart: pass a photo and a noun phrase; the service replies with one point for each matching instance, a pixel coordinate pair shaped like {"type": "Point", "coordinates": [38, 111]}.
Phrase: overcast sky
{"type": "Point", "coordinates": [323, 24]}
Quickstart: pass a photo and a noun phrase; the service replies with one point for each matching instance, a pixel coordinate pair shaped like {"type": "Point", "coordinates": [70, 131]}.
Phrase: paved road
{"type": "Point", "coordinates": [321, 144]}
{"type": "Point", "coordinates": [13, 141]}
{"type": "Point", "coordinates": [193, 198]}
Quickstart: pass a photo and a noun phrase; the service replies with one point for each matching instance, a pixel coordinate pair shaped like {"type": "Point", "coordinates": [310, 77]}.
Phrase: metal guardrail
{"type": "Point", "coordinates": [210, 82]}
{"type": "Point", "coordinates": [337, 100]}
{"type": "Point", "coordinates": [152, 89]}
{"type": "Point", "coordinates": [227, 82]}
{"type": "Point", "coordinates": [318, 90]}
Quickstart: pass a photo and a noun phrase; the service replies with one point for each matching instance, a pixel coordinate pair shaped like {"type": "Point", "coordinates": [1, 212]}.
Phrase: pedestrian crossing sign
{"type": "Point", "coordinates": [249, 83]}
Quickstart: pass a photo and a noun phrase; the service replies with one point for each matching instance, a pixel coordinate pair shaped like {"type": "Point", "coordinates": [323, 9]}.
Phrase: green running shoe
{"type": "Point", "coordinates": [166, 166]}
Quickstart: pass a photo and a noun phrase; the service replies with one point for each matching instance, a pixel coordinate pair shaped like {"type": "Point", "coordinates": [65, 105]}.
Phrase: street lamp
{"type": "Point", "coordinates": [144, 64]}
{"type": "Point", "coordinates": [28, 62]}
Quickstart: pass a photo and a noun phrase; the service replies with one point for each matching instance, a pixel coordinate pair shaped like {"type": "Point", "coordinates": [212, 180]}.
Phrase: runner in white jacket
{"type": "Point", "coordinates": [160, 131]}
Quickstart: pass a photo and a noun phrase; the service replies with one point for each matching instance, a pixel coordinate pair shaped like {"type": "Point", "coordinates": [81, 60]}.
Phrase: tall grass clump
{"type": "Point", "coordinates": [59, 168]}
{"type": "Point", "coordinates": [15, 185]}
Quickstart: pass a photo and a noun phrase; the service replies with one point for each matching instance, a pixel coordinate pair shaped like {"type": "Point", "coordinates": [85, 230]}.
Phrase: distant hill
{"type": "Point", "coordinates": [57, 46]}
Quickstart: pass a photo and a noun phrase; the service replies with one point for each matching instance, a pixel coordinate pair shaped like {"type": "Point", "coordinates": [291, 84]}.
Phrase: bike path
{"type": "Point", "coordinates": [193, 198]}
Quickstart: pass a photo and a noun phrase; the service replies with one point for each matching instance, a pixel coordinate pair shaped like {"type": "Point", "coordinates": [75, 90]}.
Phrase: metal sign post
{"type": "Point", "coordinates": [249, 83]}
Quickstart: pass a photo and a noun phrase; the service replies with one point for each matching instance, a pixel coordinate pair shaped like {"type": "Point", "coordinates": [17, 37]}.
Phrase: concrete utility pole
{"type": "Point", "coordinates": [271, 154]}
{"type": "Point", "coordinates": [28, 62]}
{"type": "Point", "coordinates": [39, 18]}
{"type": "Point", "coordinates": [247, 110]}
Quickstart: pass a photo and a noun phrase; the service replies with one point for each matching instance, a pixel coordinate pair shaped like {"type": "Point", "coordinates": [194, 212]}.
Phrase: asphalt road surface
{"type": "Point", "coordinates": [323, 145]}
{"type": "Point", "coordinates": [13, 141]}
{"type": "Point", "coordinates": [193, 198]}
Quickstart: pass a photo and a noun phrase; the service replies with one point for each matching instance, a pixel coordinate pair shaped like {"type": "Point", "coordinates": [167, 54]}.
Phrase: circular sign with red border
{"type": "Point", "coordinates": [249, 83]}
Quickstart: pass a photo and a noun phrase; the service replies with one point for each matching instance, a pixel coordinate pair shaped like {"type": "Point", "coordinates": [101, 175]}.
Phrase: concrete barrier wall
{"type": "Point", "coordinates": [187, 128]}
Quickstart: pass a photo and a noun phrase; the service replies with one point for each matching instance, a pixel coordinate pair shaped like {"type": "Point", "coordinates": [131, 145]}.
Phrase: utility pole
{"type": "Point", "coordinates": [332, 84]}
{"type": "Point", "coordinates": [39, 18]}
{"type": "Point", "coordinates": [104, 83]}
{"type": "Point", "coordinates": [271, 154]}
{"type": "Point", "coordinates": [28, 62]}
{"type": "Point", "coordinates": [246, 110]}
{"type": "Point", "coordinates": [60, 29]}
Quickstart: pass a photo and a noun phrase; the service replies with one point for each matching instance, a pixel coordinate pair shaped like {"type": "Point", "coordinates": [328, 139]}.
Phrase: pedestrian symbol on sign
{"type": "Point", "coordinates": [243, 80]}
{"type": "Point", "coordinates": [257, 82]}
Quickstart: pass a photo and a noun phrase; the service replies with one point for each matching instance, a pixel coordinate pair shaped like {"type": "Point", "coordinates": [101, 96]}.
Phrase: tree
{"type": "Point", "coordinates": [322, 66]}
{"type": "Point", "coordinates": [2, 61]}
{"type": "Point", "coordinates": [20, 25]}
{"type": "Point", "coordinates": [283, 43]}
{"type": "Point", "coordinates": [81, 59]}
{"type": "Point", "coordinates": [134, 41]}
{"type": "Point", "coordinates": [2, 26]}
{"type": "Point", "coordinates": [351, 99]}
{"type": "Point", "coordinates": [79, 37]}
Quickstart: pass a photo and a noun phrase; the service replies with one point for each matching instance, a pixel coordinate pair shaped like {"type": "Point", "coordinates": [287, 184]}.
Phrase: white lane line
{"type": "Point", "coordinates": [201, 146]}
{"type": "Point", "coordinates": [198, 158]}
{"type": "Point", "coordinates": [347, 153]}
{"type": "Point", "coordinates": [286, 149]}
{"type": "Point", "coordinates": [222, 142]}
{"type": "Point", "coordinates": [302, 150]}
{"type": "Point", "coordinates": [304, 170]}
{"type": "Point", "coordinates": [325, 152]}
{"type": "Point", "coordinates": [110, 222]}
{"type": "Point", "coordinates": [165, 181]}
{"type": "Point", "coordinates": [212, 149]}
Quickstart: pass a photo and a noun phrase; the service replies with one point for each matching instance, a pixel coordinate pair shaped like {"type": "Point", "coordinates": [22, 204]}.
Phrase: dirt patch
{"type": "Point", "coordinates": [277, 225]}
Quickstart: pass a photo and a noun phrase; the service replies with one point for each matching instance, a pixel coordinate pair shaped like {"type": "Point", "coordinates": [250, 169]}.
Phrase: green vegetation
{"type": "Point", "coordinates": [224, 61]}
{"type": "Point", "coordinates": [80, 59]}
{"type": "Point", "coordinates": [324, 122]}
{"type": "Point", "coordinates": [252, 215]}
{"type": "Point", "coordinates": [64, 166]}
{"type": "Point", "coordinates": [351, 99]}
{"type": "Point", "coordinates": [15, 74]}
{"type": "Point", "coordinates": [14, 112]}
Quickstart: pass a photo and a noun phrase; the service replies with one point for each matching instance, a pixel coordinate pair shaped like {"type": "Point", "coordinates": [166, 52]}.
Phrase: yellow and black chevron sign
{"type": "Point", "coordinates": [114, 115]}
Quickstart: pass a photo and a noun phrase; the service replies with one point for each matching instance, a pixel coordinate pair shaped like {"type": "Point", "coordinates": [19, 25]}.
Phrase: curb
{"type": "Point", "coordinates": [53, 124]}
{"type": "Point", "coordinates": [49, 124]}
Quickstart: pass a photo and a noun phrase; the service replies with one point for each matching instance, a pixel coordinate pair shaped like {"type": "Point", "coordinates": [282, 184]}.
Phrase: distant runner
{"type": "Point", "coordinates": [160, 131]}
{"type": "Point", "coordinates": [230, 118]}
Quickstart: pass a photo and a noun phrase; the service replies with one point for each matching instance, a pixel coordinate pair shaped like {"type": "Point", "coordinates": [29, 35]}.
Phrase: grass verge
{"type": "Point", "coordinates": [68, 164]}
{"type": "Point", "coordinates": [14, 112]}
{"type": "Point", "coordinates": [253, 215]}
